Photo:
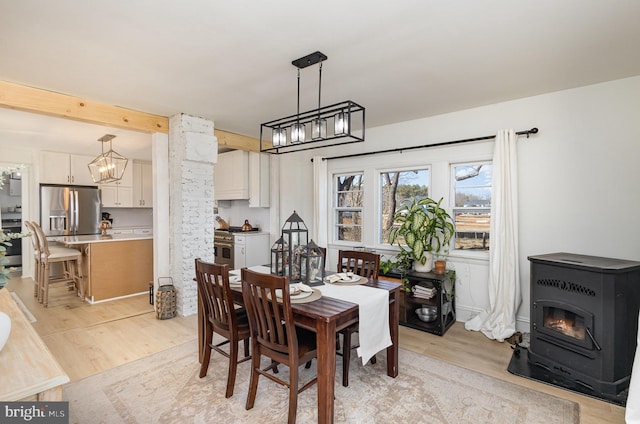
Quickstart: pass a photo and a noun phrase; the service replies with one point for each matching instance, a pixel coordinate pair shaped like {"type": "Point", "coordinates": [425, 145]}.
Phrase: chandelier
{"type": "Point", "coordinates": [108, 166]}
{"type": "Point", "coordinates": [340, 123]}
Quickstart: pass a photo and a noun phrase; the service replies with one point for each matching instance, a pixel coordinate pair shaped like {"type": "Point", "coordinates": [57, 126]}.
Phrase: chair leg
{"type": "Point", "coordinates": [307, 365]}
{"type": "Point", "coordinates": [36, 277]}
{"type": "Point", "coordinates": [233, 366]}
{"type": "Point", "coordinates": [346, 357]}
{"type": "Point", "coordinates": [45, 285]}
{"type": "Point", "coordinates": [80, 277]}
{"type": "Point", "coordinates": [293, 394]}
{"type": "Point", "coordinates": [206, 356]}
{"type": "Point", "coordinates": [253, 381]}
{"type": "Point", "coordinates": [373, 359]}
{"type": "Point", "coordinates": [246, 348]}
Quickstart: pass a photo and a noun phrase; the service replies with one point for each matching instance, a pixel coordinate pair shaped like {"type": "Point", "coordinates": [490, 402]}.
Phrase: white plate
{"type": "Point", "coordinates": [348, 279]}
{"type": "Point", "coordinates": [235, 279]}
{"type": "Point", "coordinates": [300, 295]}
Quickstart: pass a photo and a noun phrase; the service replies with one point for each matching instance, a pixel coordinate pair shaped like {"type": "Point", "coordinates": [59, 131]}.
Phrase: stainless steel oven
{"type": "Point", "coordinates": [223, 248]}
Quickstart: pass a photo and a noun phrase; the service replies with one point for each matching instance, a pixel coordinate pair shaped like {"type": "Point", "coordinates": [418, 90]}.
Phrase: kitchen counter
{"type": "Point", "coordinates": [96, 238]}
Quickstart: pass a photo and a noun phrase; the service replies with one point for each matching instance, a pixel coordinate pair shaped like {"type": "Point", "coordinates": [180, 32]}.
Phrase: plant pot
{"type": "Point", "coordinates": [428, 264]}
{"type": "Point", "coordinates": [439, 267]}
{"type": "Point", "coordinates": [5, 328]}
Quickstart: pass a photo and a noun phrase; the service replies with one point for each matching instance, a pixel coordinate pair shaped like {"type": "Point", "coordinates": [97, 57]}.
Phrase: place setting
{"type": "Point", "coordinates": [300, 293]}
{"type": "Point", "coordinates": [345, 279]}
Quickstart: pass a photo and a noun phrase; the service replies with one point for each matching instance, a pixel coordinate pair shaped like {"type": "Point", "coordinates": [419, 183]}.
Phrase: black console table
{"type": "Point", "coordinates": [443, 300]}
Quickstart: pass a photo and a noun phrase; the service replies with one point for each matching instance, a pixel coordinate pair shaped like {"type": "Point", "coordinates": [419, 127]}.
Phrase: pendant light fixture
{"type": "Point", "coordinates": [347, 119]}
{"type": "Point", "coordinates": [109, 166]}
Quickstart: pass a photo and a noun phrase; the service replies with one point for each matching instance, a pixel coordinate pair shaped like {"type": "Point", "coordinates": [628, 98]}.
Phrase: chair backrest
{"type": "Point", "coordinates": [35, 242]}
{"type": "Point", "coordinates": [215, 295]}
{"type": "Point", "coordinates": [43, 244]}
{"type": "Point", "coordinates": [270, 318]}
{"type": "Point", "coordinates": [364, 264]}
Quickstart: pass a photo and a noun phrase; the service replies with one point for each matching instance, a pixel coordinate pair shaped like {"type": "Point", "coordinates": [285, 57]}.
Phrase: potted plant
{"type": "Point", "coordinates": [425, 227]}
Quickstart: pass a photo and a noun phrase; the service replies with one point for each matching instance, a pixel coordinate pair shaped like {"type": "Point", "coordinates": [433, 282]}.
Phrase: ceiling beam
{"type": "Point", "coordinates": [29, 99]}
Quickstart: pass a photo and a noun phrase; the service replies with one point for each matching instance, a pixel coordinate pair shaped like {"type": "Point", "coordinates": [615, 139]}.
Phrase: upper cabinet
{"type": "Point", "coordinates": [65, 168]}
{"type": "Point", "coordinates": [240, 175]}
{"type": "Point", "coordinates": [142, 185]}
{"type": "Point", "coordinates": [119, 194]}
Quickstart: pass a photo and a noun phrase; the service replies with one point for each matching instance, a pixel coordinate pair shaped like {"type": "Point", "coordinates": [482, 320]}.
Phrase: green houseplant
{"type": "Point", "coordinates": [425, 227]}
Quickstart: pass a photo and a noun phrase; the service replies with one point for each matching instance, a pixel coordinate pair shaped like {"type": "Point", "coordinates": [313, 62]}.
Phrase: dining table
{"type": "Point", "coordinates": [326, 316]}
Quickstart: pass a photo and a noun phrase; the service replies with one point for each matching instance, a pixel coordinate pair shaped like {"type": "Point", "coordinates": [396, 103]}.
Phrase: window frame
{"type": "Point", "coordinates": [335, 209]}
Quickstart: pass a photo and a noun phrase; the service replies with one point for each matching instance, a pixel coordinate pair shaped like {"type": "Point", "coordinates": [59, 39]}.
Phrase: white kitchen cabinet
{"type": "Point", "coordinates": [259, 168]}
{"type": "Point", "coordinates": [231, 176]}
{"type": "Point", "coordinates": [251, 249]}
{"type": "Point", "coordinates": [241, 175]}
{"type": "Point", "coordinates": [142, 185]}
{"type": "Point", "coordinates": [119, 194]}
{"type": "Point", "coordinates": [65, 168]}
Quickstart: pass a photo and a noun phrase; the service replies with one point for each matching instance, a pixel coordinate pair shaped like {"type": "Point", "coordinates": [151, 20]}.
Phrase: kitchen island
{"type": "Point", "coordinates": [116, 266]}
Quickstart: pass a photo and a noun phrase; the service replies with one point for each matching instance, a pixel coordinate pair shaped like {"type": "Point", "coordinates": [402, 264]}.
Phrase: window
{"type": "Point", "coordinates": [396, 187]}
{"type": "Point", "coordinates": [472, 208]}
{"type": "Point", "coordinates": [348, 207]}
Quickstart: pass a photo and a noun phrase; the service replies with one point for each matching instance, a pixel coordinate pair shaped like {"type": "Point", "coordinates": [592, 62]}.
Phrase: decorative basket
{"type": "Point", "coordinates": [165, 298]}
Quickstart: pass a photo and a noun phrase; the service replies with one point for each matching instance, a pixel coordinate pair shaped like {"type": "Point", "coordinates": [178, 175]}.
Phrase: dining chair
{"type": "Point", "coordinates": [36, 257]}
{"type": "Point", "coordinates": [221, 317]}
{"type": "Point", "coordinates": [364, 264]}
{"type": "Point", "coordinates": [274, 335]}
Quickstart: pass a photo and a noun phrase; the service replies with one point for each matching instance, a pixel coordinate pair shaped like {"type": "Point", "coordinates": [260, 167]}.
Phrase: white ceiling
{"type": "Point", "coordinates": [231, 61]}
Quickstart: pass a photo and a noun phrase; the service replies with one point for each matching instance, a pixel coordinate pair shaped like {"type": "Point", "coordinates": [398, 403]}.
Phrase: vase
{"type": "Point", "coordinates": [428, 264]}
{"type": "Point", "coordinates": [5, 328]}
{"type": "Point", "coordinates": [439, 266]}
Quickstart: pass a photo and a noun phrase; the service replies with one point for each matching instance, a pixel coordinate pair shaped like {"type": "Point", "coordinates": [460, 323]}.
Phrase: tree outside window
{"type": "Point", "coordinates": [396, 187]}
{"type": "Point", "coordinates": [348, 207]}
{"type": "Point", "coordinates": [472, 209]}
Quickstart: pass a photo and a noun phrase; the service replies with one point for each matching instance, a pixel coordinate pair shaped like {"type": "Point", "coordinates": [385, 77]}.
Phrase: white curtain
{"type": "Point", "coordinates": [320, 211]}
{"type": "Point", "coordinates": [499, 321]}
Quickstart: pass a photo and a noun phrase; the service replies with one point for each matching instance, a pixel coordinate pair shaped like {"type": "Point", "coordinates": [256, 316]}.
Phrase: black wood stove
{"type": "Point", "coordinates": [584, 321]}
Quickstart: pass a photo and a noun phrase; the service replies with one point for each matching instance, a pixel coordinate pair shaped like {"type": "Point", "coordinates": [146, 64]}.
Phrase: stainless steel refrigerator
{"type": "Point", "coordinates": [69, 210]}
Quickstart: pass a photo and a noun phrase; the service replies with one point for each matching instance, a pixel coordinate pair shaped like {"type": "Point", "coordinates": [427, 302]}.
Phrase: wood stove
{"type": "Point", "coordinates": [584, 321]}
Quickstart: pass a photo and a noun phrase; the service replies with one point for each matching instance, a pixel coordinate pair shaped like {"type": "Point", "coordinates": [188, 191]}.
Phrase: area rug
{"type": "Point", "coordinates": [165, 388]}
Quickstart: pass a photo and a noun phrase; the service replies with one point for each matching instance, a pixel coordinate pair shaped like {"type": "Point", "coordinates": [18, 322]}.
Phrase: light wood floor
{"type": "Point", "coordinates": [87, 339]}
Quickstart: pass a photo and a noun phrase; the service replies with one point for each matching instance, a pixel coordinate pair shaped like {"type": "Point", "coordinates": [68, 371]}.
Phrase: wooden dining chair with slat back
{"type": "Point", "coordinates": [71, 260]}
{"type": "Point", "coordinates": [274, 335]}
{"type": "Point", "coordinates": [221, 317]}
{"type": "Point", "coordinates": [364, 264]}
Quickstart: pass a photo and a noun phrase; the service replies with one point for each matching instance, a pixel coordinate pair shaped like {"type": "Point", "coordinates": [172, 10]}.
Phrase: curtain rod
{"type": "Point", "coordinates": [424, 146]}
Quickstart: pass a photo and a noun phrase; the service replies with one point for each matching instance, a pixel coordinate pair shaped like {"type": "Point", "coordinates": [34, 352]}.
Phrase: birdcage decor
{"type": "Point", "coordinates": [312, 264]}
{"type": "Point", "coordinates": [295, 235]}
{"type": "Point", "coordinates": [279, 258]}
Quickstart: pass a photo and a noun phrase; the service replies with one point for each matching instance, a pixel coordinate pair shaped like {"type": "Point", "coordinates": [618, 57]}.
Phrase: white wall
{"type": "Point", "coordinates": [577, 177]}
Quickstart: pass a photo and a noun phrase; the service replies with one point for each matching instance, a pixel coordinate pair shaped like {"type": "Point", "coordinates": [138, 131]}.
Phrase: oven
{"type": "Point", "coordinates": [223, 248]}
{"type": "Point", "coordinates": [14, 252]}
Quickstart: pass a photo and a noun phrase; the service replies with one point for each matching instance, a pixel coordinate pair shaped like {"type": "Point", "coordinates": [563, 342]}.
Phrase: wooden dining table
{"type": "Point", "coordinates": [326, 316]}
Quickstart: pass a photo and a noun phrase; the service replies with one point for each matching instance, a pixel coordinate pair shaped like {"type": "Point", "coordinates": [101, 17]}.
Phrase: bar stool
{"type": "Point", "coordinates": [36, 257]}
{"type": "Point", "coordinates": [71, 259]}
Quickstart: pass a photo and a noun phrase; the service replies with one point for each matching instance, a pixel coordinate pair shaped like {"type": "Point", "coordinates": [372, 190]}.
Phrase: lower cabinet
{"type": "Point", "coordinates": [432, 291]}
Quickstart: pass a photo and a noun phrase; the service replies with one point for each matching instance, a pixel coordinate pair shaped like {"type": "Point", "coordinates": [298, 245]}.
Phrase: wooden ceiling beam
{"type": "Point", "coordinates": [29, 99]}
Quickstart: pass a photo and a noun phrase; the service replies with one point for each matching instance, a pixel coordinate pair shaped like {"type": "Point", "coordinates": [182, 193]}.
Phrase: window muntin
{"type": "Point", "coordinates": [472, 205]}
{"type": "Point", "coordinates": [396, 187]}
{"type": "Point", "coordinates": [348, 210]}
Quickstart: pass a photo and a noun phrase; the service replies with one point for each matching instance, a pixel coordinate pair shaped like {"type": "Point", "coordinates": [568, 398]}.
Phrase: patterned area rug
{"type": "Point", "coordinates": [165, 388]}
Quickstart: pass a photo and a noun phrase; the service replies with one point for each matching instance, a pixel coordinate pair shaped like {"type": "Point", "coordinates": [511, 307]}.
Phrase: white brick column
{"type": "Point", "coordinates": [193, 152]}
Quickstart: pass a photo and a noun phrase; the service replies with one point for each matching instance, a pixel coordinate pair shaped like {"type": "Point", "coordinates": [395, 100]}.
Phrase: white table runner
{"type": "Point", "coordinates": [373, 308]}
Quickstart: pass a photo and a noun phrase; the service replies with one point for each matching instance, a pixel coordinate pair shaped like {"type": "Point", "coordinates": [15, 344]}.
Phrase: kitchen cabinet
{"type": "Point", "coordinates": [231, 176]}
{"type": "Point", "coordinates": [119, 194]}
{"type": "Point", "coordinates": [251, 249]}
{"type": "Point", "coordinates": [259, 168]}
{"type": "Point", "coordinates": [240, 175]}
{"type": "Point", "coordinates": [142, 185]}
{"type": "Point", "coordinates": [65, 168]}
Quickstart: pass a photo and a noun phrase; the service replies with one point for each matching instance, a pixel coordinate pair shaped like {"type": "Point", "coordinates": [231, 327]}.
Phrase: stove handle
{"type": "Point", "coordinates": [595, 343]}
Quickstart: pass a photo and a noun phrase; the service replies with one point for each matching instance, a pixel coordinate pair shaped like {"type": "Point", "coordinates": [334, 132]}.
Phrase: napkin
{"type": "Point", "coordinates": [341, 276]}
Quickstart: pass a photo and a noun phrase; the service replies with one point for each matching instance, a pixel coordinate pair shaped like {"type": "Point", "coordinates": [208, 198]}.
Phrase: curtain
{"type": "Point", "coordinates": [320, 207]}
{"type": "Point", "coordinates": [499, 321]}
